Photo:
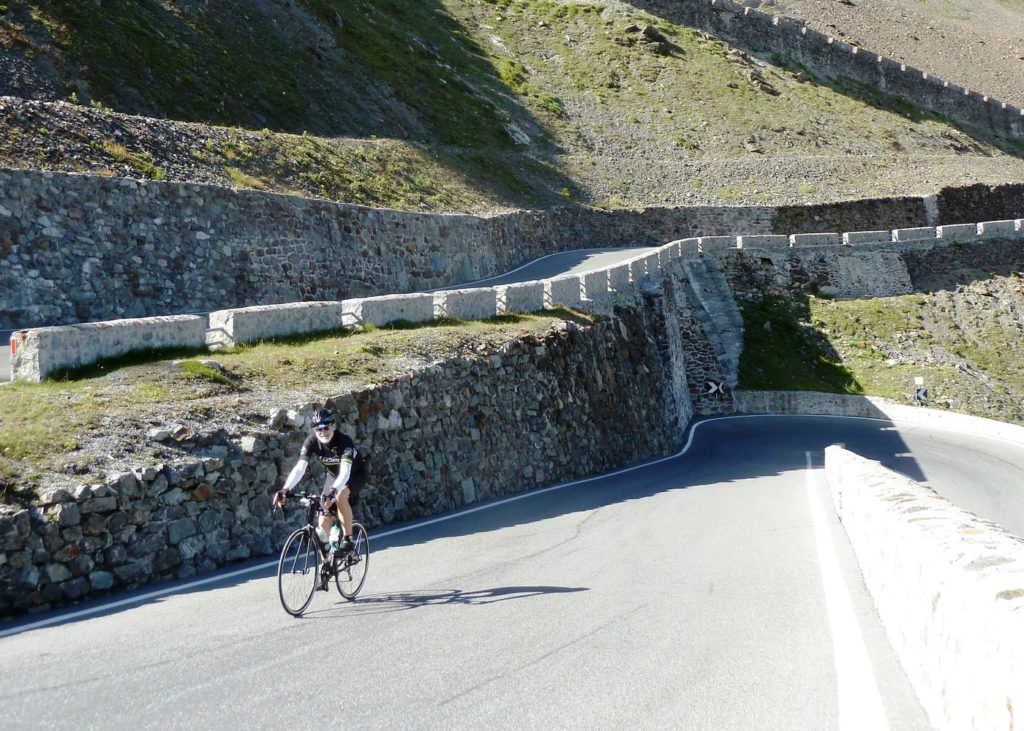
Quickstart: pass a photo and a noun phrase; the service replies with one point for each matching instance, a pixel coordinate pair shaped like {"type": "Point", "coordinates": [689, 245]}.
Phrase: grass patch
{"type": "Point", "coordinates": [783, 351]}
{"type": "Point", "coordinates": [140, 161]}
{"type": "Point", "coordinates": [109, 365]}
{"type": "Point", "coordinates": [374, 350]}
{"type": "Point", "coordinates": [196, 370]}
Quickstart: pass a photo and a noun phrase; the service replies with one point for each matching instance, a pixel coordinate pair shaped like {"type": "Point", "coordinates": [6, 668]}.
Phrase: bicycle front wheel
{"type": "Point", "coordinates": [352, 567]}
{"type": "Point", "coordinates": [298, 571]}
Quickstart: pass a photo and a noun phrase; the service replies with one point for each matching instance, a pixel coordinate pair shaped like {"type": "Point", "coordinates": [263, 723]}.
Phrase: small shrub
{"type": "Point", "coordinates": [195, 370]}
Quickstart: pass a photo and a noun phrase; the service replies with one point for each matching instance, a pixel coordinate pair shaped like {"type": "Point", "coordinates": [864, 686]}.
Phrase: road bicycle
{"type": "Point", "coordinates": [306, 565]}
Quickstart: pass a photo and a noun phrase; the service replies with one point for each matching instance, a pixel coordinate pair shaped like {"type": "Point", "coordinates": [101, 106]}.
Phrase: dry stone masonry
{"type": "Point", "coordinates": [578, 401]}
{"type": "Point", "coordinates": [790, 38]}
{"type": "Point", "coordinates": [81, 248]}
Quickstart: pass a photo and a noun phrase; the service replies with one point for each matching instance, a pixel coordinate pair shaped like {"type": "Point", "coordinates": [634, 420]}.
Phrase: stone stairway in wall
{"type": "Point", "coordinates": [706, 287]}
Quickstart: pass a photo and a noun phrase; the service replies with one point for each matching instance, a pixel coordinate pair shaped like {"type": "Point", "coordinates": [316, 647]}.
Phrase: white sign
{"type": "Point", "coordinates": [716, 388]}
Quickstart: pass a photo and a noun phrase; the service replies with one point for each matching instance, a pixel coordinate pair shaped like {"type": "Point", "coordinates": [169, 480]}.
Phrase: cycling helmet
{"type": "Point", "coordinates": [323, 424]}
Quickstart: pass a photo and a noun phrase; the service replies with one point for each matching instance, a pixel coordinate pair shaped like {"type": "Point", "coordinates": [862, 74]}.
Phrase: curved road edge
{"type": "Point", "coordinates": [948, 586]}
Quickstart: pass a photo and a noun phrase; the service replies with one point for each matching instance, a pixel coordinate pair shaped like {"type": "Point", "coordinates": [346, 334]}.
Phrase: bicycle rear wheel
{"type": "Point", "coordinates": [352, 567]}
{"type": "Point", "coordinates": [298, 571]}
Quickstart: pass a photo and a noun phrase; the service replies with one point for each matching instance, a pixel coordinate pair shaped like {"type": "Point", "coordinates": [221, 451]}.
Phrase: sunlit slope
{"type": "Point", "coordinates": [516, 102]}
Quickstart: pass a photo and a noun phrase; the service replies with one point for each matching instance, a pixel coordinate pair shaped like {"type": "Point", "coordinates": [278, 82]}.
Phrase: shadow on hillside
{"type": "Point", "coordinates": [781, 352]}
{"type": "Point", "coordinates": [848, 87]}
{"type": "Point", "coordinates": [408, 71]}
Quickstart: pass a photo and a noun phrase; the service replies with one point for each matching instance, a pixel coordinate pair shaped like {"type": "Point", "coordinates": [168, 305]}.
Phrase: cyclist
{"type": "Point", "coordinates": [346, 476]}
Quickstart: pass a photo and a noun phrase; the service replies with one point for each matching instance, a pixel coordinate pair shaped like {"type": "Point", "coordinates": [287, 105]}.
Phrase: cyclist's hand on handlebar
{"type": "Point", "coordinates": [279, 499]}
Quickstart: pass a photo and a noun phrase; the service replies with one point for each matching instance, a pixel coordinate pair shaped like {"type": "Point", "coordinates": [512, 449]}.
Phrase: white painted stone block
{"type": "Point", "coordinates": [637, 269]}
{"type": "Point", "coordinates": [38, 352]}
{"type": "Point", "coordinates": [595, 285]}
{"type": "Point", "coordinates": [525, 297]}
{"type": "Point", "coordinates": [913, 234]}
{"type": "Point", "coordinates": [252, 324]}
{"type": "Point", "coordinates": [689, 247]}
{"type": "Point", "coordinates": [618, 278]}
{"type": "Point", "coordinates": [822, 239]}
{"type": "Point", "coordinates": [762, 242]}
{"type": "Point", "coordinates": [563, 291]}
{"type": "Point", "coordinates": [962, 232]}
{"type": "Point", "coordinates": [467, 304]}
{"type": "Point", "coordinates": [998, 230]}
{"type": "Point", "coordinates": [667, 253]}
{"type": "Point", "coordinates": [708, 244]}
{"type": "Point", "coordinates": [852, 238]}
{"type": "Point", "coordinates": [388, 308]}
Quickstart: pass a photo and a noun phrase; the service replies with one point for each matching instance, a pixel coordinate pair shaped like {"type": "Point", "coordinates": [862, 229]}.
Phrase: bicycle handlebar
{"type": "Point", "coordinates": [305, 500]}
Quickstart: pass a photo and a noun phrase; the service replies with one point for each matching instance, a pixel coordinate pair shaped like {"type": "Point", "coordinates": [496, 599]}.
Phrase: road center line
{"type": "Point", "coordinates": [860, 703]}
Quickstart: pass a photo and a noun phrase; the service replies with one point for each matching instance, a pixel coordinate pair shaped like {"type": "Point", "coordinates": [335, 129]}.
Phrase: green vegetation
{"type": "Point", "coordinates": [442, 104]}
{"type": "Point", "coordinates": [142, 162]}
{"type": "Point", "coordinates": [880, 346]}
{"type": "Point", "coordinates": [782, 351]}
{"type": "Point", "coordinates": [56, 416]}
{"type": "Point", "coordinates": [196, 370]}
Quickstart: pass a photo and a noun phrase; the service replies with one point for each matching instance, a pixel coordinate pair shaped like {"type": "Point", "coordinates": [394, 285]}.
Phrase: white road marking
{"type": "Point", "coordinates": [860, 703]}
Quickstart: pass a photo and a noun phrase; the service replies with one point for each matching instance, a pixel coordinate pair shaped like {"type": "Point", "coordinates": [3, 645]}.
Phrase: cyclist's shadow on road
{"type": "Point", "coordinates": [402, 600]}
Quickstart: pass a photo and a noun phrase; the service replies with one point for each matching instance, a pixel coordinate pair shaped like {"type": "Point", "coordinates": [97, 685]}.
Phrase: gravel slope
{"type": "Point", "coordinates": [978, 44]}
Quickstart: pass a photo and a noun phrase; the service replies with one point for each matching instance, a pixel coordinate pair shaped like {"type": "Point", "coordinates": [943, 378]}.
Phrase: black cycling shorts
{"type": "Point", "coordinates": [356, 482]}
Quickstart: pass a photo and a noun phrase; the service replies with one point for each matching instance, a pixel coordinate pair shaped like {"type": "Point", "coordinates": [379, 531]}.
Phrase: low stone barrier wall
{"type": "Point", "coordinates": [875, 407]}
{"type": "Point", "coordinates": [37, 353]}
{"type": "Point", "coordinates": [576, 401]}
{"type": "Point", "coordinates": [949, 588]}
{"type": "Point", "coordinates": [879, 274]}
{"type": "Point", "coordinates": [45, 350]}
{"type": "Point", "coordinates": [388, 308]}
{"type": "Point", "coordinates": [252, 324]}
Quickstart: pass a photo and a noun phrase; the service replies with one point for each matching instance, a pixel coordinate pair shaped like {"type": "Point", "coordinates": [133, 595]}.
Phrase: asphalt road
{"type": "Point", "coordinates": [711, 590]}
{"type": "Point", "coordinates": [555, 265]}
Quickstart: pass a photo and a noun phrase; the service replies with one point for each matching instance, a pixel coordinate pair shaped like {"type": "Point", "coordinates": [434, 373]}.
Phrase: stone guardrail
{"type": "Point", "coordinates": [948, 586]}
{"type": "Point", "coordinates": [39, 352]}
{"type": "Point", "coordinates": [834, 59]}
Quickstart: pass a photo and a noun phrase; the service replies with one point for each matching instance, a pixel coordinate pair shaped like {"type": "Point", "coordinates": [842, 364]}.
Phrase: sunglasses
{"type": "Point", "coordinates": [323, 427]}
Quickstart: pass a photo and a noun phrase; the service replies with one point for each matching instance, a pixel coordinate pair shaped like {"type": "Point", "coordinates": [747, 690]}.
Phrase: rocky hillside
{"type": "Point", "coordinates": [963, 341]}
{"type": "Point", "coordinates": [479, 105]}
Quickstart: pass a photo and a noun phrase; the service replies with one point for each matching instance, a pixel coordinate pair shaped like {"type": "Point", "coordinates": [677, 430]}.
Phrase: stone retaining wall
{"type": "Point", "coordinates": [579, 401]}
{"type": "Point", "coordinates": [80, 248]}
{"type": "Point", "coordinates": [851, 264]}
{"type": "Point", "coordinates": [536, 411]}
{"type": "Point", "coordinates": [832, 58]}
